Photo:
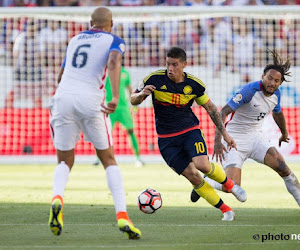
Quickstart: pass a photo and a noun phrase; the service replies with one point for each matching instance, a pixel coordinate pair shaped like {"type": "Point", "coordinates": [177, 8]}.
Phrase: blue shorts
{"type": "Point", "coordinates": [178, 151]}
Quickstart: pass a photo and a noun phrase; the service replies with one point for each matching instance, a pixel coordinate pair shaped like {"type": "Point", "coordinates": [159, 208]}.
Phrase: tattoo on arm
{"type": "Point", "coordinates": [226, 110]}
{"type": "Point", "coordinates": [215, 116]}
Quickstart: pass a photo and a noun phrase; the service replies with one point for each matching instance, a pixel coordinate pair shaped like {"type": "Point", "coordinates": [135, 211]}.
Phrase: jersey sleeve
{"type": "Point", "coordinates": [63, 64]}
{"type": "Point", "coordinates": [277, 108]}
{"type": "Point", "coordinates": [118, 44]}
{"type": "Point", "coordinates": [242, 96]}
{"type": "Point", "coordinates": [202, 97]}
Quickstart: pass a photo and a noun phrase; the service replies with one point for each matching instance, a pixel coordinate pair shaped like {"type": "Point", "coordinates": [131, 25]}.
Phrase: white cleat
{"type": "Point", "coordinates": [239, 193]}
{"type": "Point", "coordinates": [139, 163]}
{"type": "Point", "coordinates": [228, 216]}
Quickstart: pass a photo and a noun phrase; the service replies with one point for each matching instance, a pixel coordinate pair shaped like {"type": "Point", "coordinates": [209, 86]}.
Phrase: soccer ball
{"type": "Point", "coordinates": [149, 201]}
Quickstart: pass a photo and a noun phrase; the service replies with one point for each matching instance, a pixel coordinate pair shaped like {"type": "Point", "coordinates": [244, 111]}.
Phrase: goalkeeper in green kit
{"type": "Point", "coordinates": [122, 113]}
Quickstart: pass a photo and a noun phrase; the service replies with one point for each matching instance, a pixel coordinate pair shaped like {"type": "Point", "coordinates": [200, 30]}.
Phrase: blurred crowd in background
{"type": "Point", "coordinates": [34, 47]}
{"type": "Point", "coordinates": [54, 3]}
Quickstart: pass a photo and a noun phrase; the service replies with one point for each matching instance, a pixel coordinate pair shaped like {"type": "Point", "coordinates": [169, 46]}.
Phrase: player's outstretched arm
{"type": "Point", "coordinates": [215, 116]}
{"type": "Point", "coordinates": [280, 121]}
{"type": "Point", "coordinates": [138, 98]}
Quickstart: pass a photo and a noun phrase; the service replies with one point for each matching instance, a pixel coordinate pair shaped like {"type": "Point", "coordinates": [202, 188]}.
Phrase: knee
{"type": "Point", "coordinates": [107, 158]}
{"type": "Point", "coordinates": [193, 176]}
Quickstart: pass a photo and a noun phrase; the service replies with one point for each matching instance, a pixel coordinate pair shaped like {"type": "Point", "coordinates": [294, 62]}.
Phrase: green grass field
{"type": "Point", "coordinates": [89, 216]}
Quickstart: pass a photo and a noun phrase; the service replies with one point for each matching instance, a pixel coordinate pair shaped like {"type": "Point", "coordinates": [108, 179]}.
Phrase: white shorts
{"type": "Point", "coordinates": [73, 113]}
{"type": "Point", "coordinates": [253, 146]}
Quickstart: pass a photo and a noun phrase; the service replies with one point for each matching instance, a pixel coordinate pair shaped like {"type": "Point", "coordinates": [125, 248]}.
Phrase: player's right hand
{"type": "Point", "coordinates": [230, 141]}
{"type": "Point", "coordinates": [147, 90]}
{"type": "Point", "coordinates": [110, 107]}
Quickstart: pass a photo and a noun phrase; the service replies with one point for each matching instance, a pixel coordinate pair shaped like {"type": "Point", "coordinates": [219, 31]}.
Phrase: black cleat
{"type": "Point", "coordinates": [194, 196]}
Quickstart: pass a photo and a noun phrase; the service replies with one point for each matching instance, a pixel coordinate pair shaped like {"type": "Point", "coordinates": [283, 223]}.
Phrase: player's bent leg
{"type": "Point", "coordinates": [56, 215]}
{"type": "Point", "coordinates": [216, 176]}
{"type": "Point", "coordinates": [234, 173]}
{"type": "Point", "coordinates": [275, 160]}
{"type": "Point", "coordinates": [203, 189]}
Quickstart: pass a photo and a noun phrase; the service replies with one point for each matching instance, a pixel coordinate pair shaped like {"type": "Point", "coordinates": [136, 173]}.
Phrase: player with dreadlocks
{"type": "Point", "coordinates": [246, 111]}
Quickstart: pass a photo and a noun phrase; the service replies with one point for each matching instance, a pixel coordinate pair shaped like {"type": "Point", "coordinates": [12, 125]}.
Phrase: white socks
{"type": "Point", "coordinates": [214, 184]}
{"type": "Point", "coordinates": [293, 186]}
{"type": "Point", "coordinates": [115, 184]}
{"type": "Point", "coordinates": [61, 176]}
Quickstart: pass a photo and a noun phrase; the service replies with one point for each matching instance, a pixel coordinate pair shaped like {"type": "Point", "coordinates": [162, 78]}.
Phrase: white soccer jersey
{"type": "Point", "coordinates": [76, 105]}
{"type": "Point", "coordinates": [86, 59]}
{"type": "Point", "coordinates": [250, 107]}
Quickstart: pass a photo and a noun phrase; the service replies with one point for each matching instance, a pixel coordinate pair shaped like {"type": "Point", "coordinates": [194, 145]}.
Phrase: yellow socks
{"type": "Point", "coordinates": [217, 174]}
{"type": "Point", "coordinates": [207, 192]}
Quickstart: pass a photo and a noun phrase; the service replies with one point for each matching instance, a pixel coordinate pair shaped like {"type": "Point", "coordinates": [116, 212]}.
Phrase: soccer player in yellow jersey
{"type": "Point", "coordinates": [180, 140]}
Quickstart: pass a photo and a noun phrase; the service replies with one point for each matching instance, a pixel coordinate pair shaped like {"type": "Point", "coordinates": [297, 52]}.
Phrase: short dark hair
{"type": "Point", "coordinates": [279, 65]}
{"type": "Point", "coordinates": [177, 52]}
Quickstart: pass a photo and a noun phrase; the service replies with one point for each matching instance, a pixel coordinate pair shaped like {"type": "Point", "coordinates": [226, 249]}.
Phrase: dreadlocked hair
{"type": "Point", "coordinates": [279, 65]}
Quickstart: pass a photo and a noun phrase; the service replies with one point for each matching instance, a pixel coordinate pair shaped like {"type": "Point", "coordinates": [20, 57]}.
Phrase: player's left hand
{"type": "Point", "coordinates": [219, 151]}
{"type": "Point", "coordinates": [110, 107]}
{"type": "Point", "coordinates": [284, 138]}
{"type": "Point", "coordinates": [230, 141]}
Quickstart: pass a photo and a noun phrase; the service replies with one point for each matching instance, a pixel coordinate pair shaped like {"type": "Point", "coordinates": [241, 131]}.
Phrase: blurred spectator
{"type": "Point", "coordinates": [53, 38]}
{"type": "Point", "coordinates": [150, 3]}
{"type": "Point", "coordinates": [126, 2]}
{"type": "Point", "coordinates": [44, 3]}
{"type": "Point", "coordinates": [27, 67]}
{"type": "Point", "coordinates": [245, 45]}
{"type": "Point", "coordinates": [236, 2]}
{"type": "Point", "coordinates": [216, 43]}
{"type": "Point", "coordinates": [196, 3]}
{"type": "Point", "coordinates": [23, 3]}
{"type": "Point", "coordinates": [173, 2]}
{"type": "Point", "coordinates": [94, 2]}
{"type": "Point", "coordinates": [66, 2]}
{"type": "Point", "coordinates": [246, 2]}
{"type": "Point", "coordinates": [288, 2]}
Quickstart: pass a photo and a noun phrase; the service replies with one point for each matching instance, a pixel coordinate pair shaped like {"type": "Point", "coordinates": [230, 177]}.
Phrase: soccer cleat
{"type": "Point", "coordinates": [239, 193]}
{"type": "Point", "coordinates": [228, 216]}
{"type": "Point", "coordinates": [128, 228]}
{"type": "Point", "coordinates": [194, 196]}
{"type": "Point", "coordinates": [139, 163]}
{"type": "Point", "coordinates": [56, 217]}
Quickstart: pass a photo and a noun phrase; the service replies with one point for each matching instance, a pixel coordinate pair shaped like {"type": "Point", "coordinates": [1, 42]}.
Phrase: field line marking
{"type": "Point", "coordinates": [151, 225]}
{"type": "Point", "coordinates": [157, 245]}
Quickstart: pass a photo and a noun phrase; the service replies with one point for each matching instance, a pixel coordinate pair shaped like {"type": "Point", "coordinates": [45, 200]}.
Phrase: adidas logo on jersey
{"type": "Point", "coordinates": [163, 87]}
